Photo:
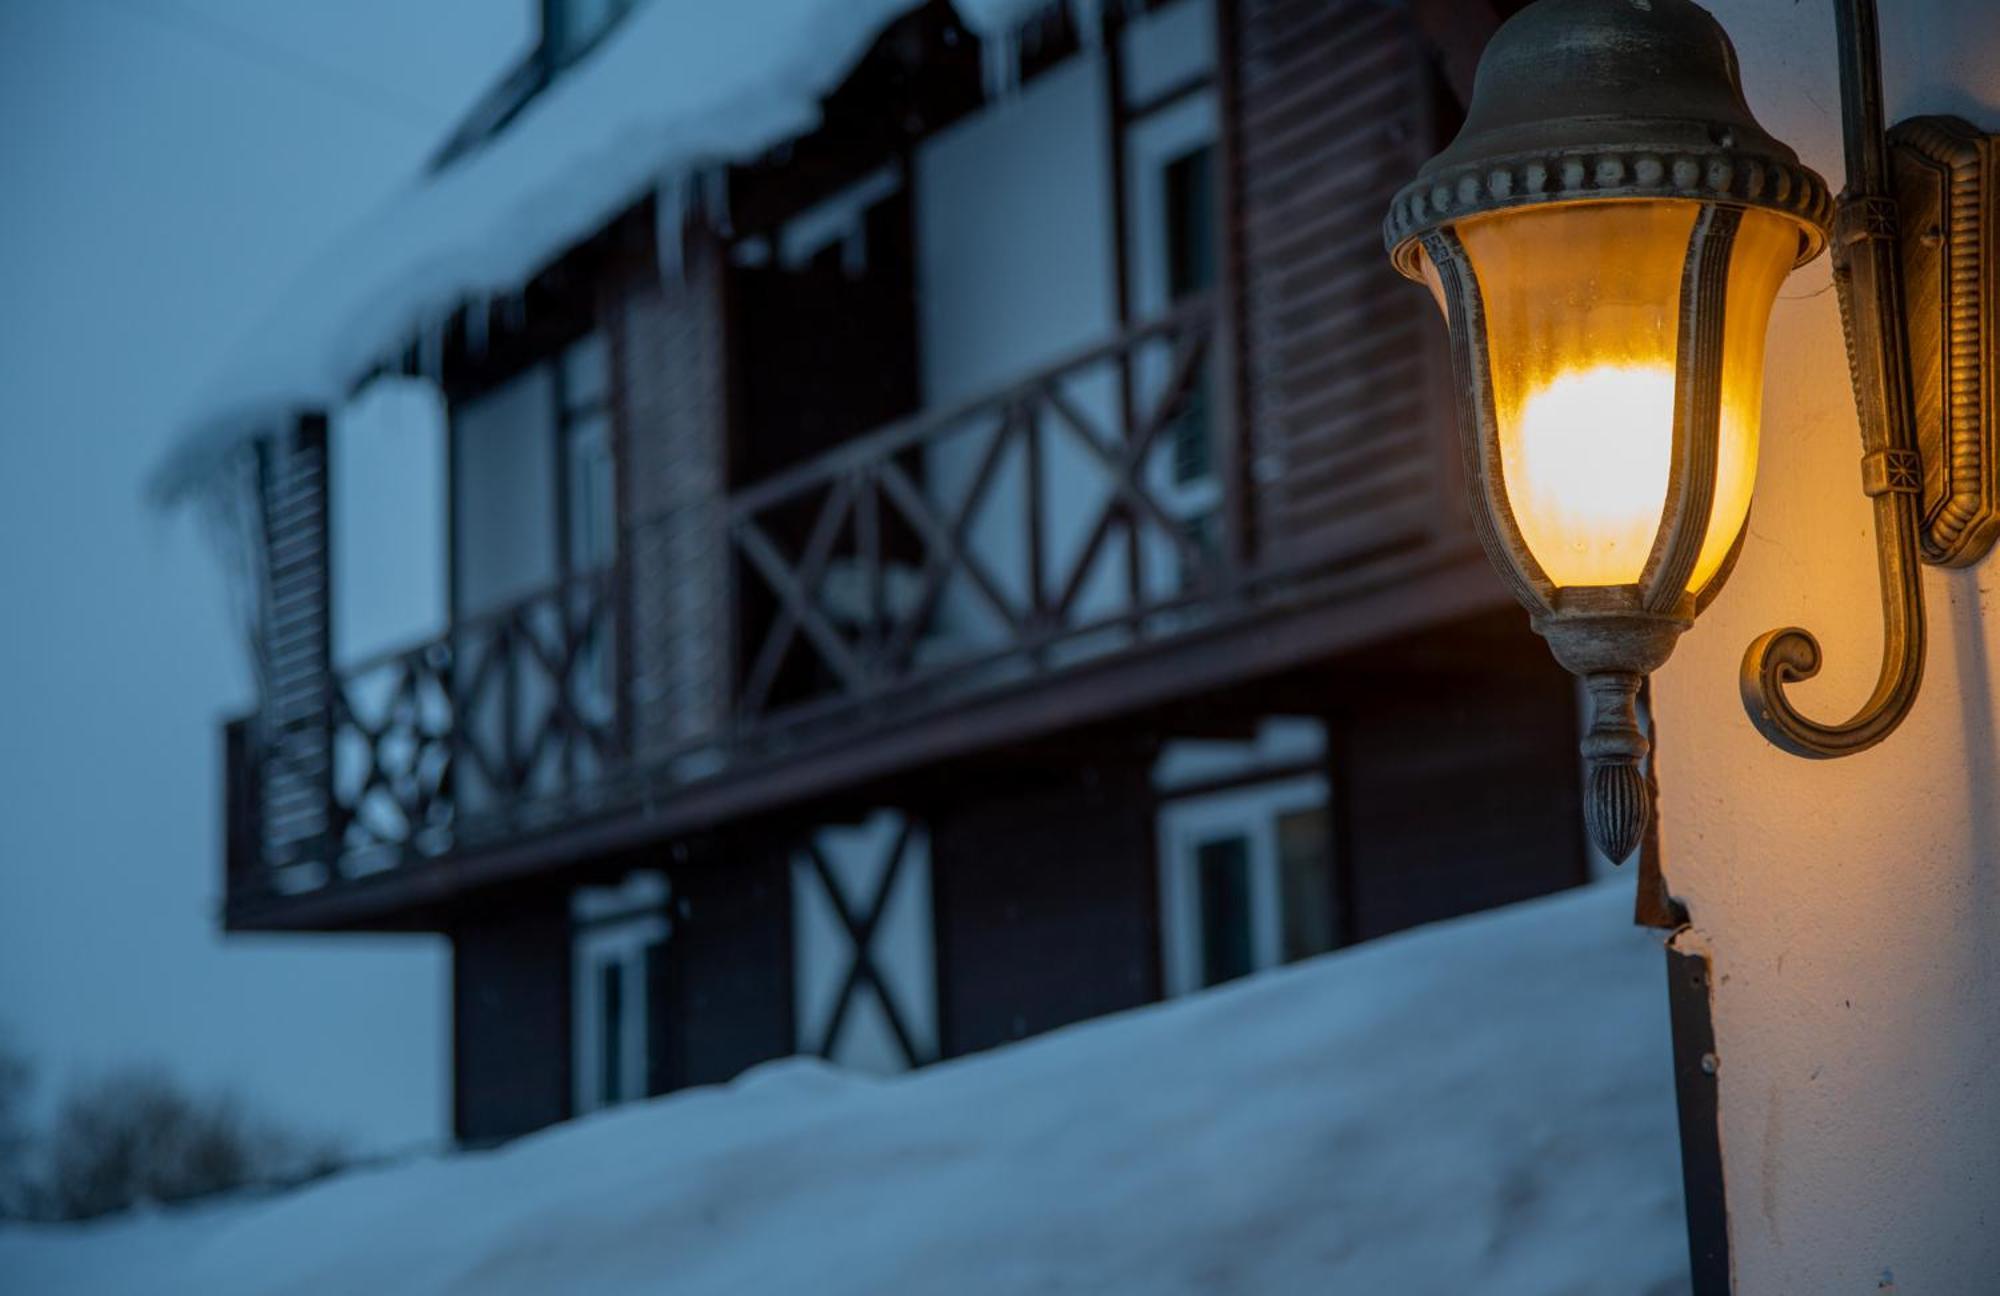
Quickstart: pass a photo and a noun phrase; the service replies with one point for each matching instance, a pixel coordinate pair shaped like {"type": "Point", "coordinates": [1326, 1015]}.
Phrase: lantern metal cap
{"type": "Point", "coordinates": [1593, 100]}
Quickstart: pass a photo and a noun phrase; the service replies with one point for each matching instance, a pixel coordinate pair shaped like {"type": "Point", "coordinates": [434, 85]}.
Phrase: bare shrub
{"type": "Point", "coordinates": [16, 1081]}
{"type": "Point", "coordinates": [135, 1135]}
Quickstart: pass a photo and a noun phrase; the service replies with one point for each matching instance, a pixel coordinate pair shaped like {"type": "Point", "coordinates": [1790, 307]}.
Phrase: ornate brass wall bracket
{"type": "Point", "coordinates": [1948, 193]}
{"type": "Point", "coordinates": [1914, 257]}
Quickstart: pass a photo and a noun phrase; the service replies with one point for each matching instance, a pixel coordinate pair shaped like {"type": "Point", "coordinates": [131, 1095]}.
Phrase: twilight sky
{"type": "Point", "coordinates": [167, 165]}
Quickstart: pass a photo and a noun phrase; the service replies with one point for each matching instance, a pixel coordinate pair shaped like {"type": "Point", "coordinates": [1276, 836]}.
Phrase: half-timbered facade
{"type": "Point", "coordinates": [991, 559]}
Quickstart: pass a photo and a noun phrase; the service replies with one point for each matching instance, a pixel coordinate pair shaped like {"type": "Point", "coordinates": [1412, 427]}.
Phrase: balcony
{"type": "Point", "coordinates": [1073, 545]}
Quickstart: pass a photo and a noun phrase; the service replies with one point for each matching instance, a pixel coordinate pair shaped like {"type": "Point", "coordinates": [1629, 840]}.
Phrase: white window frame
{"type": "Point", "coordinates": [1251, 812]}
{"type": "Point", "coordinates": [1150, 145]}
{"type": "Point", "coordinates": [840, 219]}
{"type": "Point", "coordinates": [618, 925]}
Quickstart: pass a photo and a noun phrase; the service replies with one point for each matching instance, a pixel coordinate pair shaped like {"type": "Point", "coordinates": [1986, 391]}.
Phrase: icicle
{"type": "Point", "coordinates": [230, 509]}
{"type": "Point", "coordinates": [1000, 63]}
{"type": "Point", "coordinates": [1088, 17]}
{"type": "Point", "coordinates": [715, 196]}
{"type": "Point", "coordinates": [430, 348]}
{"type": "Point", "coordinates": [670, 213]}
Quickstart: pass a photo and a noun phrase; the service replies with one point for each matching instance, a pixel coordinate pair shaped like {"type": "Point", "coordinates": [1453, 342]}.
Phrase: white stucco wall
{"type": "Point", "coordinates": [1016, 270]}
{"type": "Point", "coordinates": [388, 449]}
{"type": "Point", "coordinates": [902, 948]}
{"type": "Point", "coordinates": [1853, 906]}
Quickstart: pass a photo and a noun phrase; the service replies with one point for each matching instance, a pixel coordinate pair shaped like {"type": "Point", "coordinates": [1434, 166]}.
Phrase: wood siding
{"type": "Point", "coordinates": [510, 1008]}
{"type": "Point", "coordinates": [1330, 111]}
{"type": "Point", "coordinates": [1457, 792]}
{"type": "Point", "coordinates": [728, 1000]}
{"type": "Point", "coordinates": [1044, 906]}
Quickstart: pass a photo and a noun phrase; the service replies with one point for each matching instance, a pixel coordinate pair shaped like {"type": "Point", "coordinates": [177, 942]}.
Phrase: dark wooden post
{"type": "Point", "coordinates": [1232, 424]}
{"type": "Point", "coordinates": [1690, 1002]}
{"type": "Point", "coordinates": [242, 810]}
{"type": "Point", "coordinates": [1116, 122]}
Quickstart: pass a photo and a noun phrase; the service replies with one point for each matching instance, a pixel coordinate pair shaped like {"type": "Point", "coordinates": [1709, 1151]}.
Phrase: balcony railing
{"type": "Point", "coordinates": [1083, 511]}
{"type": "Point", "coordinates": [1005, 537]}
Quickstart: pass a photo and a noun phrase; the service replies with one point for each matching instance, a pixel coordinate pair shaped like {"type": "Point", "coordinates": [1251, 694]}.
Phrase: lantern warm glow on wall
{"type": "Point", "coordinates": [1606, 238]}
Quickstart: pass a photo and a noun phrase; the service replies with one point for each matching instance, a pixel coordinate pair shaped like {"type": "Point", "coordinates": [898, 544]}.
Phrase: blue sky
{"type": "Point", "coordinates": [168, 165]}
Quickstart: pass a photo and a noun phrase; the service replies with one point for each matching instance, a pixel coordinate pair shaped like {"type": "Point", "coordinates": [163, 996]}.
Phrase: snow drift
{"type": "Point", "coordinates": [1480, 1107]}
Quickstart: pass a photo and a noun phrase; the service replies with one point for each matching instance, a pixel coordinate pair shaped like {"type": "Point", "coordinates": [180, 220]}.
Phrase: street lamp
{"type": "Point", "coordinates": [1606, 237]}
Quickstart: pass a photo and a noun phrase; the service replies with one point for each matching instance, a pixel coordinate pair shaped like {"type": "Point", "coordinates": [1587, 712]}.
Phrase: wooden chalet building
{"type": "Point", "coordinates": [992, 559]}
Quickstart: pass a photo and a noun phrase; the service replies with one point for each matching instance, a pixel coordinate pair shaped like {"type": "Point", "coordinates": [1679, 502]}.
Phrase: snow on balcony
{"type": "Point", "coordinates": [1481, 1106]}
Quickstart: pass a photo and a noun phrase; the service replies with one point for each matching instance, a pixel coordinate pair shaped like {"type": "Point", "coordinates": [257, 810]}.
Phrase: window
{"type": "Point", "coordinates": [533, 516]}
{"type": "Point", "coordinates": [611, 1078]}
{"type": "Point", "coordinates": [1172, 227]}
{"type": "Point", "coordinates": [1190, 213]}
{"type": "Point", "coordinates": [533, 480]}
{"type": "Point", "coordinates": [1226, 941]}
{"type": "Point", "coordinates": [1187, 186]}
{"type": "Point", "coordinates": [584, 423]}
{"type": "Point", "coordinates": [503, 512]}
{"type": "Point", "coordinates": [1305, 875]}
{"type": "Point", "coordinates": [1246, 880]}
{"type": "Point", "coordinates": [621, 935]}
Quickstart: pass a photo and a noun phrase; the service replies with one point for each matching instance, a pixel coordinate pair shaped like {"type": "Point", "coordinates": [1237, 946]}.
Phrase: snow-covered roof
{"type": "Point", "coordinates": [679, 86]}
{"type": "Point", "coordinates": [1482, 1106]}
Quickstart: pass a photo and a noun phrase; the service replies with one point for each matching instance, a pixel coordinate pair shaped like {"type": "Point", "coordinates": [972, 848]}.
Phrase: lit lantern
{"type": "Point", "coordinates": [1606, 237]}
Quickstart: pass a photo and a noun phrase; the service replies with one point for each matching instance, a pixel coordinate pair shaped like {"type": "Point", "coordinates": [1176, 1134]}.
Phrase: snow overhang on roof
{"type": "Point", "coordinates": [676, 89]}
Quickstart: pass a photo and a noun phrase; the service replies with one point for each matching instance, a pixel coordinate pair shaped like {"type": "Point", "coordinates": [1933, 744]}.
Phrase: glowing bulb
{"type": "Point", "coordinates": [1587, 468]}
{"type": "Point", "coordinates": [1581, 306]}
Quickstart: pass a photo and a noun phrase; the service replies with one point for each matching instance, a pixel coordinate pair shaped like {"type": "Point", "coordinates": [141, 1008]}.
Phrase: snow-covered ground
{"type": "Point", "coordinates": [1481, 1108]}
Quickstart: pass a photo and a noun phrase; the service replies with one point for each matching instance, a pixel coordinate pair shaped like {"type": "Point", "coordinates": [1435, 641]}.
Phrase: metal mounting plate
{"type": "Point", "coordinates": [1949, 199]}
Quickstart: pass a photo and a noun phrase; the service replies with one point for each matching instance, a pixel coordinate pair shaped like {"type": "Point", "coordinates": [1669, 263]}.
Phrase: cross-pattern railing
{"type": "Point", "coordinates": [509, 719]}
{"type": "Point", "coordinates": [1017, 534]}
{"type": "Point", "coordinates": [510, 710]}
{"type": "Point", "coordinates": [1006, 536]}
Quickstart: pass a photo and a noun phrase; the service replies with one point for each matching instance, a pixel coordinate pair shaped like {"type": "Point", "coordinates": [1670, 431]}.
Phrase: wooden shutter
{"type": "Point", "coordinates": [295, 643]}
{"type": "Point", "coordinates": [1331, 112]}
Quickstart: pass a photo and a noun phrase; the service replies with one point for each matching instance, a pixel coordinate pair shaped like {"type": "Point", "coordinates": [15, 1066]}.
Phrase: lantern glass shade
{"type": "Point", "coordinates": [1582, 308]}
